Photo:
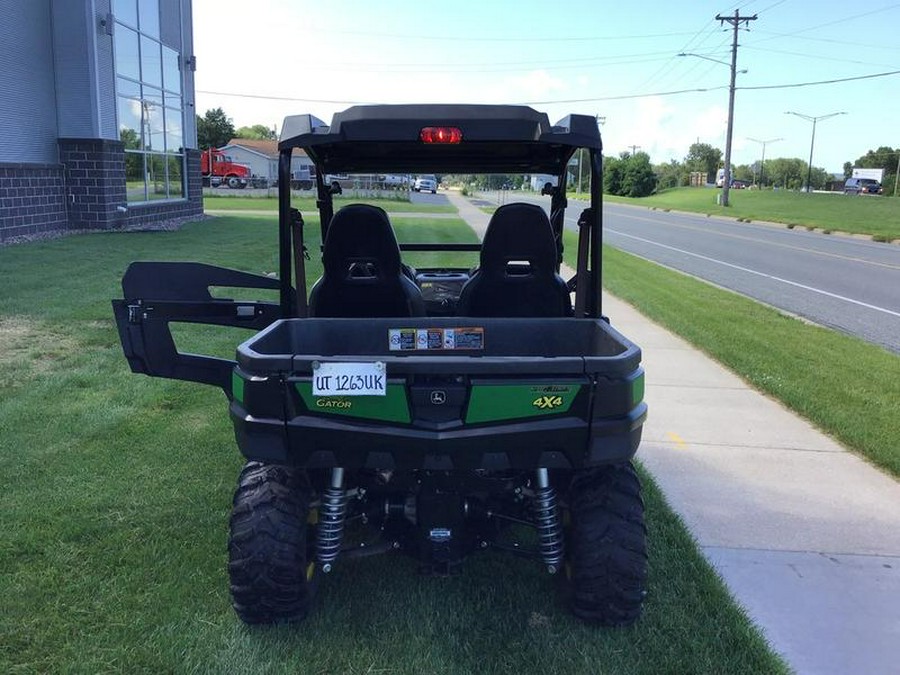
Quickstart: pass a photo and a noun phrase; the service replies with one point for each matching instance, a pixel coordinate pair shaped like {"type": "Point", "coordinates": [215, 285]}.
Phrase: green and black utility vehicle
{"type": "Point", "coordinates": [433, 412]}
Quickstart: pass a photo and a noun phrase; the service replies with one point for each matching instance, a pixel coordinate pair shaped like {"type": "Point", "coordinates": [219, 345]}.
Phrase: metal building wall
{"type": "Point", "coordinates": [74, 48]}
{"type": "Point", "coordinates": [106, 72]}
{"type": "Point", "coordinates": [28, 126]}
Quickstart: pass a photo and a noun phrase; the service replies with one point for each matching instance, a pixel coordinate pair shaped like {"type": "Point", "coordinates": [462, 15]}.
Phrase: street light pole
{"type": "Point", "coordinates": [762, 162]}
{"type": "Point", "coordinates": [810, 118]}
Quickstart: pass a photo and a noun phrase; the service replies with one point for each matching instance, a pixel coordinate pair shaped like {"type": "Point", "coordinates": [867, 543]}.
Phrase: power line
{"type": "Point", "coordinates": [585, 60]}
{"type": "Point", "coordinates": [816, 56]}
{"type": "Point", "coordinates": [698, 90]}
{"type": "Point", "coordinates": [865, 45]}
{"type": "Point", "coordinates": [812, 84]}
{"type": "Point", "coordinates": [836, 21]}
{"type": "Point", "coordinates": [460, 38]}
{"type": "Point", "coordinates": [484, 68]}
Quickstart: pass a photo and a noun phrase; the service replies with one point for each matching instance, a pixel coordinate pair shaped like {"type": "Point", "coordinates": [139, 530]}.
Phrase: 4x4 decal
{"type": "Point", "coordinates": [547, 402]}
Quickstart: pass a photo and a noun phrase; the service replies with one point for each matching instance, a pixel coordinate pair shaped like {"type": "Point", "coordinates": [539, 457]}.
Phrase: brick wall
{"type": "Point", "coordinates": [86, 191]}
{"type": "Point", "coordinates": [95, 170]}
{"type": "Point", "coordinates": [32, 199]}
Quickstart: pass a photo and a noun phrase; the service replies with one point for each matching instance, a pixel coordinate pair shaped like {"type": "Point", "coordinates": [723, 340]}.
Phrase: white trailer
{"type": "Point", "coordinates": [875, 174]}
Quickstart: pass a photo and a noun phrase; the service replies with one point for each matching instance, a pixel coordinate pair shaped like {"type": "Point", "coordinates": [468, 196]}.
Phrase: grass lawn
{"type": "Point", "coordinates": [845, 386]}
{"type": "Point", "coordinates": [309, 204]}
{"type": "Point", "coordinates": [876, 216]}
{"type": "Point", "coordinates": [117, 490]}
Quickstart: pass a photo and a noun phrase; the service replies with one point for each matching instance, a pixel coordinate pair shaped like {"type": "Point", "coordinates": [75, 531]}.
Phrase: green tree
{"type": "Point", "coordinates": [638, 179]}
{"type": "Point", "coordinates": [790, 173]}
{"type": "Point", "coordinates": [214, 129]}
{"type": "Point", "coordinates": [848, 169]}
{"type": "Point", "coordinates": [703, 157]}
{"type": "Point", "coordinates": [671, 175]}
{"type": "Point", "coordinates": [742, 172]}
{"type": "Point", "coordinates": [613, 175]}
{"type": "Point", "coordinates": [134, 162]}
{"type": "Point", "coordinates": [883, 158]}
{"type": "Point", "coordinates": [259, 132]}
{"type": "Point", "coordinates": [629, 175]}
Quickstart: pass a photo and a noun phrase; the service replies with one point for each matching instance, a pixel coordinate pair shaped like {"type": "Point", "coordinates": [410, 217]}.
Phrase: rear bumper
{"type": "Point", "coordinates": [558, 442]}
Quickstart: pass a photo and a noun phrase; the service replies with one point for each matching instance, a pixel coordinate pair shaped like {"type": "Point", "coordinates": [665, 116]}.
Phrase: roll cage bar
{"type": "Point", "coordinates": [495, 139]}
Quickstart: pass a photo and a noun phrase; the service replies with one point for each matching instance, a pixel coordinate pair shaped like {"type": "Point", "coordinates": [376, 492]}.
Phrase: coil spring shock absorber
{"type": "Point", "coordinates": [547, 523]}
{"type": "Point", "coordinates": [332, 512]}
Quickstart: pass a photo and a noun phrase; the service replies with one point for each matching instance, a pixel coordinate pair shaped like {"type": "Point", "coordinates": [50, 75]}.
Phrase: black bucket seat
{"type": "Point", "coordinates": [517, 275]}
{"type": "Point", "coordinates": [363, 275]}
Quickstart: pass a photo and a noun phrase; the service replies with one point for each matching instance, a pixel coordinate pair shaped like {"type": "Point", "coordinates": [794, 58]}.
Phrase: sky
{"type": "Point", "coordinates": [263, 60]}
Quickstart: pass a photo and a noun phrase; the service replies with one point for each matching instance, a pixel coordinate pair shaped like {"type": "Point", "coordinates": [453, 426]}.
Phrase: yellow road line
{"type": "Point", "coordinates": [677, 440]}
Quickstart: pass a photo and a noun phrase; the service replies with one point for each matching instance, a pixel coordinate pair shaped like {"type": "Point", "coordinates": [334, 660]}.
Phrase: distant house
{"type": "Point", "coordinates": [262, 157]}
{"type": "Point", "coordinates": [835, 182]}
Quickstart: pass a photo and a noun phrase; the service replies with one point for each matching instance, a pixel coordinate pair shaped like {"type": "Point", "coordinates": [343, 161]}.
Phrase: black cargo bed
{"type": "Point", "coordinates": [497, 394]}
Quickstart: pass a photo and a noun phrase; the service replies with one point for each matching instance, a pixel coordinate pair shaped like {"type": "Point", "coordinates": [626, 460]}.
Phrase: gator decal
{"type": "Point", "coordinates": [392, 407]}
{"type": "Point", "coordinates": [491, 403]}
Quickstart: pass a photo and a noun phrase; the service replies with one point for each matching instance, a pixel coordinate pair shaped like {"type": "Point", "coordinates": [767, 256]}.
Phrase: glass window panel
{"type": "Point", "coordinates": [127, 58]}
{"type": "Point", "coordinates": [156, 177]}
{"type": "Point", "coordinates": [135, 188]}
{"type": "Point", "coordinates": [174, 131]}
{"type": "Point", "coordinates": [126, 11]}
{"type": "Point", "coordinates": [153, 96]}
{"type": "Point", "coordinates": [154, 126]}
{"type": "Point", "coordinates": [176, 173]}
{"type": "Point", "coordinates": [128, 88]}
{"type": "Point", "coordinates": [130, 123]}
{"type": "Point", "coordinates": [173, 101]}
{"type": "Point", "coordinates": [171, 74]}
{"type": "Point", "coordinates": [149, 10]}
{"type": "Point", "coordinates": [151, 62]}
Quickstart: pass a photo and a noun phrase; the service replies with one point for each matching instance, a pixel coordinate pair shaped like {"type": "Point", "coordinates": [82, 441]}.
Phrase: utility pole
{"type": "Point", "coordinates": [634, 149]}
{"type": "Point", "coordinates": [735, 22]}
{"type": "Point", "coordinates": [897, 175]}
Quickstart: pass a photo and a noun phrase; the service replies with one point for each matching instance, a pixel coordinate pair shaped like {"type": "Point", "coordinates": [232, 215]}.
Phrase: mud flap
{"type": "Point", "coordinates": [157, 293]}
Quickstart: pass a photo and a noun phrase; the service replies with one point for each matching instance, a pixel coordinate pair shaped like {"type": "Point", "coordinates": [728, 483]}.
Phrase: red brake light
{"type": "Point", "coordinates": [446, 135]}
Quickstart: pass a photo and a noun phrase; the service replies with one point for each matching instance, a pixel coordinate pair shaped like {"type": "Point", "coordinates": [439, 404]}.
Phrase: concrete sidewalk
{"type": "Point", "coordinates": [805, 534]}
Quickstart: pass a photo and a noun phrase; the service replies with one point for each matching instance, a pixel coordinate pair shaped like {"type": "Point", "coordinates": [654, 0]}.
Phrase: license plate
{"type": "Point", "coordinates": [350, 379]}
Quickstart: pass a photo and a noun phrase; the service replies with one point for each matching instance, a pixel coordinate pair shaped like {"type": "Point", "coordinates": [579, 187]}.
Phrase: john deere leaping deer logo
{"type": "Point", "coordinates": [547, 402]}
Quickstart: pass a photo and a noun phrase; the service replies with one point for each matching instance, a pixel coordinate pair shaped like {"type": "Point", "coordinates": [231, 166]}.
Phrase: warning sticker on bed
{"type": "Point", "coordinates": [433, 339]}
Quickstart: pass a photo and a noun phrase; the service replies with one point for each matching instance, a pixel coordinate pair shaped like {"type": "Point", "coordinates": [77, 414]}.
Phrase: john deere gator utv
{"type": "Point", "coordinates": [445, 410]}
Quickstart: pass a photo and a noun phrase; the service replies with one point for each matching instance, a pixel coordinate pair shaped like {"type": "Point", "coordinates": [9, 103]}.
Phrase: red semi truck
{"type": "Point", "coordinates": [217, 169]}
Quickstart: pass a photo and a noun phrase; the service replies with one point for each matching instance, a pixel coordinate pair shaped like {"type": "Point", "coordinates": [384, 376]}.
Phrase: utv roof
{"type": "Point", "coordinates": [386, 138]}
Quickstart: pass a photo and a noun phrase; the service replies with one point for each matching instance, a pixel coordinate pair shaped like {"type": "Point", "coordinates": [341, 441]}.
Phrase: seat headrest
{"type": "Point", "coordinates": [361, 236]}
{"type": "Point", "coordinates": [519, 232]}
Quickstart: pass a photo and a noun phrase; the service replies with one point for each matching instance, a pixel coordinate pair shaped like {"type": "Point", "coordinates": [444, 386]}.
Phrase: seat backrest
{"type": "Point", "coordinates": [363, 275]}
{"type": "Point", "coordinates": [517, 275]}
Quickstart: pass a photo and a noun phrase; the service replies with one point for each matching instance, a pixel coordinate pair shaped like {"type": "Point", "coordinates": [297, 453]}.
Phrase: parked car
{"type": "Point", "coordinates": [426, 184]}
{"type": "Point", "coordinates": [739, 184]}
{"type": "Point", "coordinates": [862, 186]}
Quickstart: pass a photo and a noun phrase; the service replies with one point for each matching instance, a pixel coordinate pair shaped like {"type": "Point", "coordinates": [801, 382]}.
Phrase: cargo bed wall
{"type": "Point", "coordinates": [413, 345]}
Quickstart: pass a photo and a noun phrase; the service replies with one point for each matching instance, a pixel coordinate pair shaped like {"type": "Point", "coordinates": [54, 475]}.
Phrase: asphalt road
{"type": "Point", "coordinates": [849, 284]}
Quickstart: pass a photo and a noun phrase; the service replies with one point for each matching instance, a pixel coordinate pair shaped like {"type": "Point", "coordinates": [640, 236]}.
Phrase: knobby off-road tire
{"type": "Point", "coordinates": [267, 545]}
{"type": "Point", "coordinates": [607, 549]}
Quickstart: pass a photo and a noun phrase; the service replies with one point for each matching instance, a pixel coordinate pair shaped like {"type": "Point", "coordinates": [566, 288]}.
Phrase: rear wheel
{"type": "Point", "coordinates": [607, 549]}
{"type": "Point", "coordinates": [267, 546]}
